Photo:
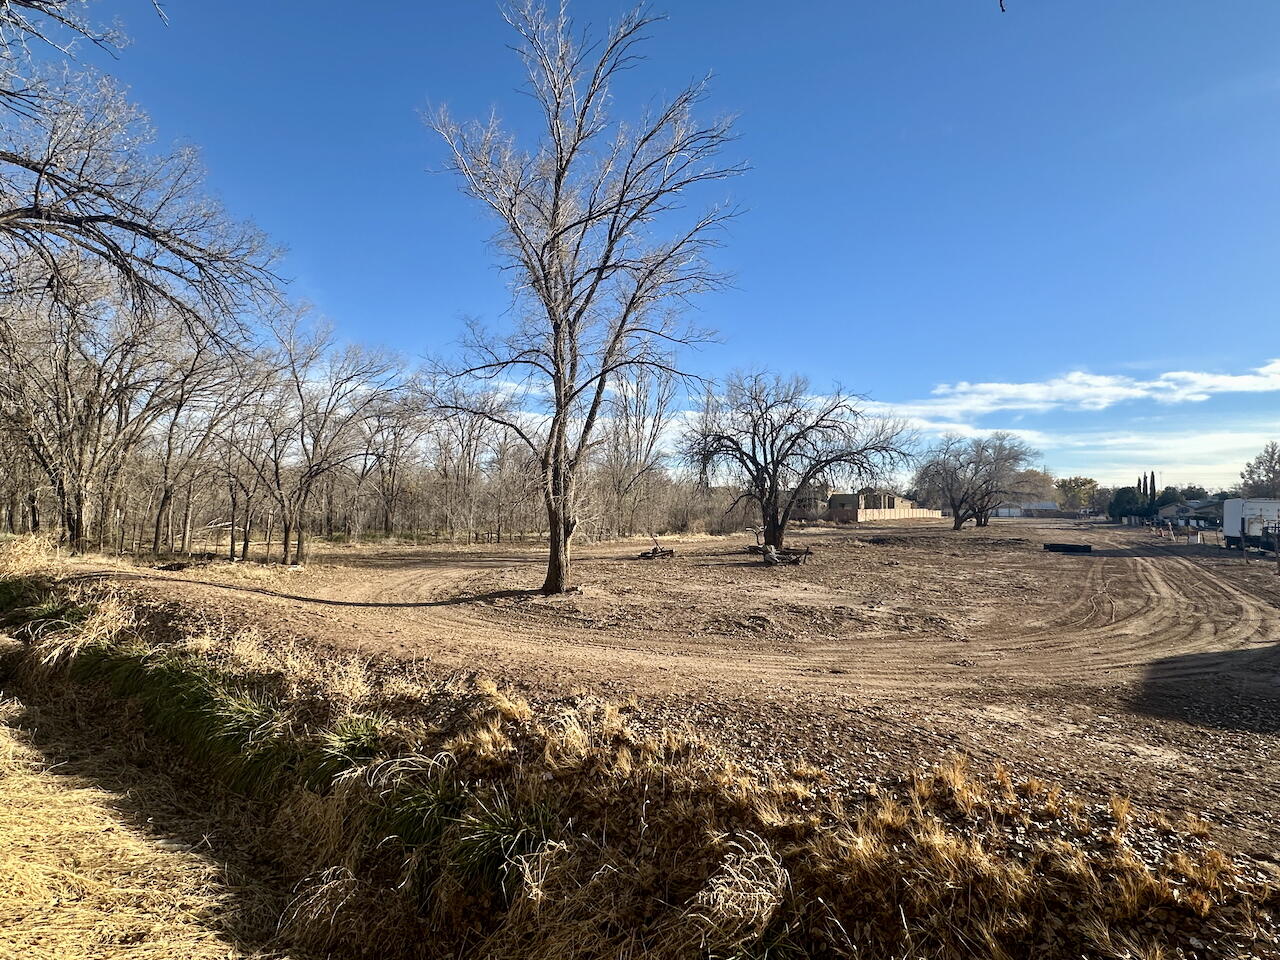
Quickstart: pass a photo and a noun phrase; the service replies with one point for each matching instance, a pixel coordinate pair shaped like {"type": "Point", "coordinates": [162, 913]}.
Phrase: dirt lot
{"type": "Point", "coordinates": [1144, 668]}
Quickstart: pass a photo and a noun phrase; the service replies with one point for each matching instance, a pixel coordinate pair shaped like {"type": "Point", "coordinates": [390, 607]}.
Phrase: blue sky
{"type": "Point", "coordinates": [1063, 220]}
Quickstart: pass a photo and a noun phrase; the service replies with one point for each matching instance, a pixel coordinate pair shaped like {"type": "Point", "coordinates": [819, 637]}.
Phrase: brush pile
{"type": "Point", "coordinates": [421, 817]}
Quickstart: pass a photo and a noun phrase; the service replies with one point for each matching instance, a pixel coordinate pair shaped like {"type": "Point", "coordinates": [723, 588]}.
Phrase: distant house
{"type": "Point", "coordinates": [1028, 508]}
{"type": "Point", "coordinates": [1191, 512]}
{"type": "Point", "coordinates": [811, 502]}
{"type": "Point", "coordinates": [870, 504]}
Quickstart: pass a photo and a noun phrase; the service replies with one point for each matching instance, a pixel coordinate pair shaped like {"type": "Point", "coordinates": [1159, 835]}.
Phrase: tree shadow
{"type": "Point", "coordinates": [159, 797]}
{"type": "Point", "coordinates": [1166, 551]}
{"type": "Point", "coordinates": [1228, 690]}
{"type": "Point", "coordinates": [487, 596]}
{"type": "Point", "coordinates": [401, 559]}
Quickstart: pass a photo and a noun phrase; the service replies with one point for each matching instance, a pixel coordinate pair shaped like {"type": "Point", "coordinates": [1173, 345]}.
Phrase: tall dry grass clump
{"type": "Point", "coordinates": [30, 555]}
{"type": "Point", "coordinates": [421, 817]}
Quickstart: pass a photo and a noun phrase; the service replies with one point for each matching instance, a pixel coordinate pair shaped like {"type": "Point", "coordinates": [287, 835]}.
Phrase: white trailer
{"type": "Point", "coordinates": [1253, 519]}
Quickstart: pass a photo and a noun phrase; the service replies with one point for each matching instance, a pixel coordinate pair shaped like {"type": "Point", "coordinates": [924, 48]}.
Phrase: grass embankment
{"type": "Point", "coordinates": [79, 879]}
{"type": "Point", "coordinates": [415, 817]}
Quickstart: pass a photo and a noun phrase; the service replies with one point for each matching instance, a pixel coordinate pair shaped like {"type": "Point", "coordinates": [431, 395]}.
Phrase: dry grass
{"type": "Point", "coordinates": [30, 556]}
{"type": "Point", "coordinates": [78, 881]}
{"type": "Point", "coordinates": [426, 817]}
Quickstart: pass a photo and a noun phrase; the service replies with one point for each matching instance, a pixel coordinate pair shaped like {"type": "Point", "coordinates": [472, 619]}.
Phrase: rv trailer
{"type": "Point", "coordinates": [1252, 519]}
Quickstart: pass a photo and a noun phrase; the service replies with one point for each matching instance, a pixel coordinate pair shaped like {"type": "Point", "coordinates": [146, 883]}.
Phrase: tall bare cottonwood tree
{"type": "Point", "coordinates": [776, 438]}
{"type": "Point", "coordinates": [595, 285]}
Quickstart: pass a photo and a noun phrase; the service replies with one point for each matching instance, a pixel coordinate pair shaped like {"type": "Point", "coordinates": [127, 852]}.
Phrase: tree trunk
{"type": "Point", "coordinates": [560, 535]}
{"type": "Point", "coordinates": [186, 519]}
{"type": "Point", "coordinates": [140, 530]}
{"type": "Point", "coordinates": [299, 549]}
{"type": "Point", "coordinates": [286, 528]}
{"type": "Point", "coordinates": [73, 518]}
{"type": "Point", "coordinates": [231, 527]}
{"type": "Point", "coordinates": [166, 497]}
{"type": "Point", "coordinates": [957, 521]}
{"type": "Point", "coordinates": [774, 529]}
{"type": "Point", "coordinates": [73, 521]}
{"type": "Point", "coordinates": [104, 513]}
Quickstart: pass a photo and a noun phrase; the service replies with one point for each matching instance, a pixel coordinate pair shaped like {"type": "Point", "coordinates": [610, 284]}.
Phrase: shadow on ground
{"type": "Point", "coordinates": [1227, 690]}
{"type": "Point", "coordinates": [487, 596]}
{"type": "Point", "coordinates": [157, 795]}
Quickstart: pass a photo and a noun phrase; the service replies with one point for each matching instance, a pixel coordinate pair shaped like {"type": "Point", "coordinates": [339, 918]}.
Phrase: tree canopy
{"type": "Point", "coordinates": [1076, 493]}
{"type": "Point", "coordinates": [1261, 475]}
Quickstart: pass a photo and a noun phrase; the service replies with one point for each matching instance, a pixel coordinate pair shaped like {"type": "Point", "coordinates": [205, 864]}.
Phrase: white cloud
{"type": "Point", "coordinates": [1195, 448]}
{"type": "Point", "coordinates": [1079, 390]}
{"type": "Point", "coordinates": [1213, 458]}
{"type": "Point", "coordinates": [930, 427]}
{"type": "Point", "coordinates": [1192, 447]}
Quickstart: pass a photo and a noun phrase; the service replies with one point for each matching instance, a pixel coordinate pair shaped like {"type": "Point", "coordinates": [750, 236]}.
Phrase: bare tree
{"type": "Point", "coordinates": [203, 396]}
{"type": "Point", "coordinates": [84, 382]}
{"type": "Point", "coordinates": [331, 389]}
{"type": "Point", "coordinates": [776, 438]}
{"type": "Point", "coordinates": [639, 413]}
{"type": "Point", "coordinates": [972, 476]}
{"type": "Point", "coordinates": [509, 484]}
{"type": "Point", "coordinates": [45, 25]}
{"type": "Point", "coordinates": [79, 174]}
{"type": "Point", "coordinates": [261, 438]}
{"type": "Point", "coordinates": [120, 281]}
{"type": "Point", "coordinates": [595, 288]}
{"type": "Point", "coordinates": [461, 440]}
{"type": "Point", "coordinates": [394, 432]}
{"type": "Point", "coordinates": [81, 177]}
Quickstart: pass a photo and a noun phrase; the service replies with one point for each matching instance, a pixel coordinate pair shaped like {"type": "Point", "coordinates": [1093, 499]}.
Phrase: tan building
{"type": "Point", "coordinates": [811, 502]}
{"type": "Point", "coordinates": [869, 504]}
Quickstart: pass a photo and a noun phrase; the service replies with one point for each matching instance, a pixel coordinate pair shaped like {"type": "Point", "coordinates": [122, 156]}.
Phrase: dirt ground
{"type": "Point", "coordinates": [1144, 668]}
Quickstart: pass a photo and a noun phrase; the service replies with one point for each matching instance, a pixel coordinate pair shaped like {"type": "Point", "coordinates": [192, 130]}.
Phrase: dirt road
{"type": "Point", "coordinates": [1142, 668]}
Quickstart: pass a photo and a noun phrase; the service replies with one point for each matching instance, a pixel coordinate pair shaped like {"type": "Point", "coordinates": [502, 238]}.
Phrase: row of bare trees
{"type": "Point", "coordinates": [122, 283]}
{"type": "Point", "coordinates": [123, 432]}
